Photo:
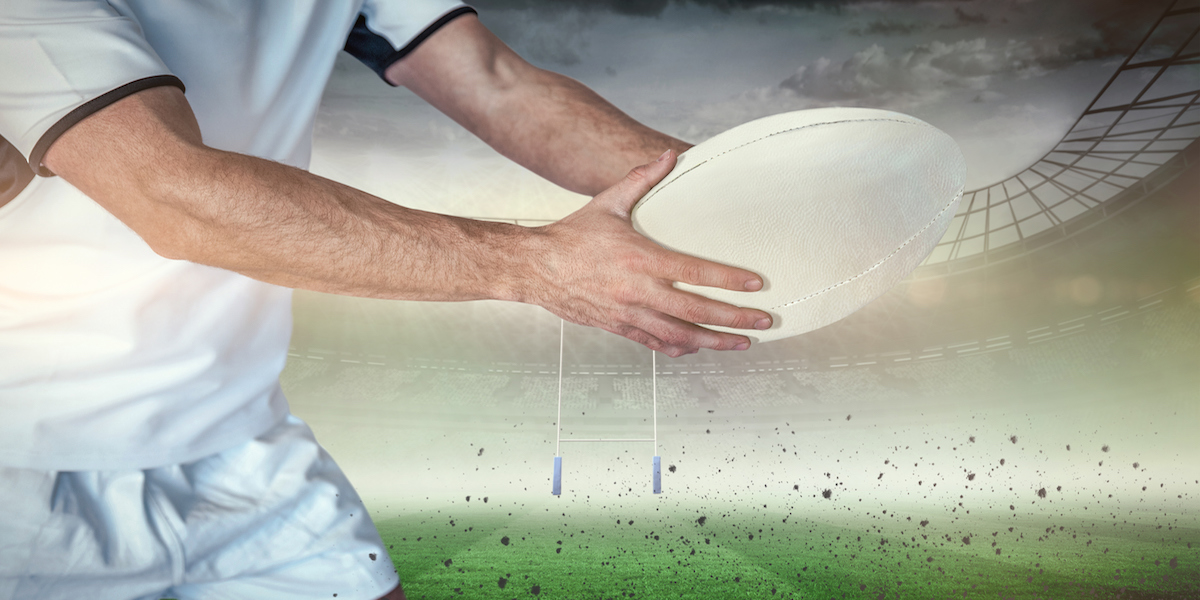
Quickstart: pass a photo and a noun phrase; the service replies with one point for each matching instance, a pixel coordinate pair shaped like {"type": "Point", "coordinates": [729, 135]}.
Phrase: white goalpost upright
{"type": "Point", "coordinates": [656, 472]}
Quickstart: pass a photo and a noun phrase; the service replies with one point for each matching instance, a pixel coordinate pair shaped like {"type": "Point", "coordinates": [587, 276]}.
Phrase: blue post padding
{"type": "Point", "coordinates": [557, 489]}
{"type": "Point", "coordinates": [657, 475]}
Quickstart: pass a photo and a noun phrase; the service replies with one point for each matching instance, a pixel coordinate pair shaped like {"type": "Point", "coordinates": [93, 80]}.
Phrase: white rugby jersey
{"type": "Point", "coordinates": [112, 357]}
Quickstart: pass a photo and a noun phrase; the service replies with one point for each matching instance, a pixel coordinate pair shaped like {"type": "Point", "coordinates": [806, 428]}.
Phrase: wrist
{"type": "Point", "coordinates": [513, 272]}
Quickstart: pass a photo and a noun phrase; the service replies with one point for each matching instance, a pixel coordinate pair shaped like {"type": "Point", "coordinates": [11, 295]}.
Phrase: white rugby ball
{"type": "Point", "coordinates": [831, 206]}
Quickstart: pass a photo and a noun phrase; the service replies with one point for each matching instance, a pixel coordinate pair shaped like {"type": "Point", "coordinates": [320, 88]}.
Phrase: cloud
{"type": "Point", "coordinates": [888, 27]}
{"type": "Point", "coordinates": [921, 79]}
{"type": "Point", "coordinates": [962, 17]}
{"type": "Point", "coordinates": [875, 76]}
{"type": "Point", "coordinates": [654, 8]}
{"type": "Point", "coordinates": [928, 70]}
{"type": "Point", "coordinates": [897, 27]}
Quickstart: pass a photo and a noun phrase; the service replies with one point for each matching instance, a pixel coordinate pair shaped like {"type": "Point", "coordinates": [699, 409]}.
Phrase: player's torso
{"type": "Point", "coordinates": [119, 354]}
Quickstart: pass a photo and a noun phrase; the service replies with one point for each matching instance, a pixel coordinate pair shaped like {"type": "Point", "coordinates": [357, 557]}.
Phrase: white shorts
{"type": "Point", "coordinates": [272, 518]}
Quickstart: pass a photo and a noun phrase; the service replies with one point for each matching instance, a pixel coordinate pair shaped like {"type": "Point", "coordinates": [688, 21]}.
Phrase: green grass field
{"type": "Point", "coordinates": [539, 553]}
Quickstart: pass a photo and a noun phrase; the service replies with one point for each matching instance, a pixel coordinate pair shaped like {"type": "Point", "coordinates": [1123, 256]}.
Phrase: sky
{"type": "Point", "coordinates": [1005, 78]}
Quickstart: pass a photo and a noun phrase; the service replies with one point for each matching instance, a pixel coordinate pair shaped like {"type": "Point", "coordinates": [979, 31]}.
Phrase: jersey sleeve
{"type": "Point", "coordinates": [387, 30]}
{"type": "Point", "coordinates": [61, 61]}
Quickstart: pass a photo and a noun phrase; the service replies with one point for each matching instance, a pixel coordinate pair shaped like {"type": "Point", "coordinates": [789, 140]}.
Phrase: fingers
{"type": "Point", "coordinates": [693, 308]}
{"type": "Point", "coordinates": [622, 197]}
{"type": "Point", "coordinates": [697, 271]}
{"type": "Point", "coordinates": [642, 337]}
{"type": "Point", "coordinates": [681, 334]}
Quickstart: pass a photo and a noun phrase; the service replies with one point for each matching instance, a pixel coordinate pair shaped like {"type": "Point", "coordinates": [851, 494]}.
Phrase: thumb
{"type": "Point", "coordinates": [622, 197]}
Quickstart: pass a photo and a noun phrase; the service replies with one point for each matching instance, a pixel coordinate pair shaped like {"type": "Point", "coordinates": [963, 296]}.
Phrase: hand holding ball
{"type": "Point", "coordinates": [832, 207]}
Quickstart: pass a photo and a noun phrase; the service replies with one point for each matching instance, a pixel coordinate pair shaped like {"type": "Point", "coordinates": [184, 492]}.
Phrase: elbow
{"type": "Point", "coordinates": [165, 220]}
{"type": "Point", "coordinates": [169, 248]}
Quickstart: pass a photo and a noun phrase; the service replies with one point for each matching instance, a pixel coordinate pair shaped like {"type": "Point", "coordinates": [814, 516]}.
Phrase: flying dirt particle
{"type": "Point", "coordinates": [485, 499]}
{"type": "Point", "coordinates": [1042, 493]}
{"type": "Point", "coordinates": [847, 417]}
{"type": "Point", "coordinates": [701, 520]}
{"type": "Point", "coordinates": [1013, 439]}
{"type": "Point", "coordinates": [967, 540]}
{"type": "Point", "coordinates": [371, 556]}
{"type": "Point", "coordinates": [1068, 447]}
{"type": "Point", "coordinates": [504, 540]}
{"type": "Point", "coordinates": [930, 559]}
{"type": "Point", "coordinates": [535, 590]}
{"type": "Point", "coordinates": [1135, 465]}
{"type": "Point", "coordinates": [862, 586]}
{"type": "Point", "coordinates": [707, 431]}
{"type": "Point", "coordinates": [880, 477]}
{"type": "Point", "coordinates": [503, 582]}
{"type": "Point", "coordinates": [1174, 563]}
{"type": "Point", "coordinates": [970, 477]}
{"type": "Point", "coordinates": [827, 493]}
{"type": "Point", "coordinates": [480, 452]}
{"type": "Point", "coordinates": [924, 522]}
{"type": "Point", "coordinates": [796, 487]}
{"type": "Point", "coordinates": [972, 439]}
{"type": "Point", "coordinates": [1002, 462]}
{"type": "Point", "coordinates": [1104, 448]}
{"type": "Point", "coordinates": [1011, 507]}
{"type": "Point", "coordinates": [997, 552]}
{"type": "Point", "coordinates": [671, 468]}
{"type": "Point", "coordinates": [447, 562]}
{"type": "Point", "coordinates": [631, 521]}
{"type": "Point", "coordinates": [468, 498]}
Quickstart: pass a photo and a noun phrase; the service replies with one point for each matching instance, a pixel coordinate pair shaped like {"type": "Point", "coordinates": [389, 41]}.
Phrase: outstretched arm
{"type": "Point", "coordinates": [143, 159]}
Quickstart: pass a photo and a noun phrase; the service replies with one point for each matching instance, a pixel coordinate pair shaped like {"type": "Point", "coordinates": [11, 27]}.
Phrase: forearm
{"type": "Point", "coordinates": [565, 132]}
{"type": "Point", "coordinates": [289, 227]}
{"type": "Point", "coordinates": [549, 123]}
{"type": "Point", "coordinates": [270, 221]}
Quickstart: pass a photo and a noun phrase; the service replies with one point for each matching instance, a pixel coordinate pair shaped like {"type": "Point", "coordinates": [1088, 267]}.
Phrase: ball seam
{"type": "Point", "coordinates": [654, 193]}
{"type": "Point", "coordinates": [883, 260]}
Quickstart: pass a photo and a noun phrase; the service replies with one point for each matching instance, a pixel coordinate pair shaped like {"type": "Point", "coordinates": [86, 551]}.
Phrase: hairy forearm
{"type": "Point", "coordinates": [549, 123]}
{"type": "Point", "coordinates": [288, 227]}
{"type": "Point", "coordinates": [565, 132]}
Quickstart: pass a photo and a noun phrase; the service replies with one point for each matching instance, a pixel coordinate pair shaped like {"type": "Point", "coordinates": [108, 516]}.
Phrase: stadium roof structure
{"type": "Point", "coordinates": [1127, 143]}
